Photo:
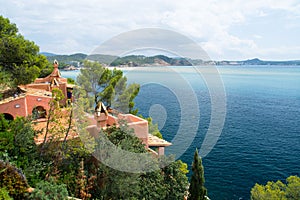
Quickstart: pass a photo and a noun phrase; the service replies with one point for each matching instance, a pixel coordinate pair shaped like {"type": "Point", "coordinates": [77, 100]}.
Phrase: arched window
{"type": "Point", "coordinates": [8, 116]}
{"type": "Point", "coordinates": [39, 112]}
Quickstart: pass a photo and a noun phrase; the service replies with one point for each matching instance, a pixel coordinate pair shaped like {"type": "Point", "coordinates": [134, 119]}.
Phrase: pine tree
{"type": "Point", "coordinates": [197, 191]}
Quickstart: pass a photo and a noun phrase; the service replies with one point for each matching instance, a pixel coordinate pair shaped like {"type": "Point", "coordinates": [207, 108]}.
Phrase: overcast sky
{"type": "Point", "coordinates": [225, 29]}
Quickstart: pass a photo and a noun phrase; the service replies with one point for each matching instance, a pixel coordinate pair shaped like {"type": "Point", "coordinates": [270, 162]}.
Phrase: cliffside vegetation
{"type": "Point", "coordinates": [277, 190]}
{"type": "Point", "coordinates": [20, 61]}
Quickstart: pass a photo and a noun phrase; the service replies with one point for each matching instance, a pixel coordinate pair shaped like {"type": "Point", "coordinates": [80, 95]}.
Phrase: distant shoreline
{"type": "Point", "coordinates": [145, 67]}
{"type": "Point", "coordinates": [158, 60]}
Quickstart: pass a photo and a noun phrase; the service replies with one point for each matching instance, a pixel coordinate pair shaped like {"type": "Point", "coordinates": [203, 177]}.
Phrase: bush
{"type": "Point", "coordinates": [13, 180]}
{"type": "Point", "coordinates": [49, 191]}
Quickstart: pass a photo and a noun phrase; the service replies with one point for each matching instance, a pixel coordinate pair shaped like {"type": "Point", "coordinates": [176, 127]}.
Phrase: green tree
{"type": "Point", "coordinates": [152, 186]}
{"type": "Point", "coordinates": [71, 81]}
{"type": "Point", "coordinates": [293, 187]}
{"type": "Point", "coordinates": [108, 86]}
{"type": "Point", "coordinates": [114, 184]}
{"type": "Point", "coordinates": [20, 60]}
{"type": "Point", "coordinates": [277, 190]}
{"type": "Point", "coordinates": [175, 179]}
{"type": "Point", "coordinates": [197, 191]}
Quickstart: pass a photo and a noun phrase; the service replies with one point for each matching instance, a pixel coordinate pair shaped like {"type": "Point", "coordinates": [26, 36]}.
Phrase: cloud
{"type": "Point", "coordinates": [80, 26]}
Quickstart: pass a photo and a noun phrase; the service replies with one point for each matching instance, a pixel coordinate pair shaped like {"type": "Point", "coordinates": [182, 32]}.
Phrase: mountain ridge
{"type": "Point", "coordinates": [157, 60]}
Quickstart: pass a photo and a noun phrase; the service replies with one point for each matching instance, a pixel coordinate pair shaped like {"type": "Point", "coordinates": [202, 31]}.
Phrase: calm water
{"type": "Point", "coordinates": [261, 135]}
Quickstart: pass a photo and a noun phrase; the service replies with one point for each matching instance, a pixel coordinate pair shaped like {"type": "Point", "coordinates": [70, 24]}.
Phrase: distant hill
{"type": "Point", "coordinates": [47, 54]}
{"type": "Point", "coordinates": [65, 60]}
{"type": "Point", "coordinates": [257, 61]}
{"type": "Point", "coordinates": [158, 60]}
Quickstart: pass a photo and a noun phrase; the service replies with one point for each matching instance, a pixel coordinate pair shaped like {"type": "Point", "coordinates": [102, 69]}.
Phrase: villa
{"type": "Point", "coordinates": [34, 98]}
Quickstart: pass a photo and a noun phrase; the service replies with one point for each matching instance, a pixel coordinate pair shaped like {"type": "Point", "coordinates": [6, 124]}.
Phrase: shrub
{"type": "Point", "coordinates": [49, 191]}
{"type": "Point", "coordinates": [13, 180]}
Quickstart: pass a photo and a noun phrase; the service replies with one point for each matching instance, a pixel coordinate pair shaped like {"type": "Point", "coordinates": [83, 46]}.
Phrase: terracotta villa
{"type": "Point", "coordinates": [34, 98]}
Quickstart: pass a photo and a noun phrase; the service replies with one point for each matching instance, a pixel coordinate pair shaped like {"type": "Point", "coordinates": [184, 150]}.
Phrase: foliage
{"type": "Point", "coordinates": [175, 179]}
{"type": "Point", "coordinates": [18, 147]}
{"type": "Point", "coordinates": [49, 191]}
{"type": "Point", "coordinates": [4, 195]}
{"type": "Point", "coordinates": [277, 190]}
{"type": "Point", "coordinates": [152, 186]}
{"type": "Point", "coordinates": [19, 58]}
{"type": "Point", "coordinates": [108, 86]}
{"type": "Point", "coordinates": [6, 138]}
{"type": "Point", "coordinates": [153, 128]}
{"type": "Point", "coordinates": [46, 71]}
{"type": "Point", "coordinates": [5, 82]}
{"type": "Point", "coordinates": [71, 81]}
{"type": "Point", "coordinates": [170, 182]}
{"type": "Point", "coordinates": [13, 180]}
{"type": "Point", "coordinates": [197, 191]}
{"type": "Point", "coordinates": [96, 180]}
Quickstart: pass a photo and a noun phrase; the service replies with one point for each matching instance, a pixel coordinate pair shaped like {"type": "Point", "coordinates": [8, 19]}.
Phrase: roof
{"type": "Point", "coordinates": [155, 141]}
{"type": "Point", "coordinates": [41, 124]}
{"type": "Point", "coordinates": [20, 92]}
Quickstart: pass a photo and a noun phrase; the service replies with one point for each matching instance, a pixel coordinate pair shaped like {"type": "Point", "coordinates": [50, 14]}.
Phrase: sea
{"type": "Point", "coordinates": [253, 113]}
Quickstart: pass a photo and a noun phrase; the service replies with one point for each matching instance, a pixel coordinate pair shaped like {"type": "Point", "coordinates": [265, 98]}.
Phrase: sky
{"type": "Point", "coordinates": [225, 29]}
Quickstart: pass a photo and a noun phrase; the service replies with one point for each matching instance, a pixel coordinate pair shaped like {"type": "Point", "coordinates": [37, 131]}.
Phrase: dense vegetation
{"type": "Point", "coordinates": [278, 190]}
{"type": "Point", "coordinates": [71, 166]}
{"type": "Point", "coordinates": [20, 61]}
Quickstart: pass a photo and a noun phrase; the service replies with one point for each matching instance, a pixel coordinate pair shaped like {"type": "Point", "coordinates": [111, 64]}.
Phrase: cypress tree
{"type": "Point", "coordinates": [197, 191]}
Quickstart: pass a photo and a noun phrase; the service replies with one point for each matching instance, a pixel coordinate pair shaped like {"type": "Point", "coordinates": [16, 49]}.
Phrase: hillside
{"type": "Point", "coordinates": [157, 60]}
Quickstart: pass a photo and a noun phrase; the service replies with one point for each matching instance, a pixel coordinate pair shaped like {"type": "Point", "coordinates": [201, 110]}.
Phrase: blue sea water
{"type": "Point", "coordinates": [260, 140]}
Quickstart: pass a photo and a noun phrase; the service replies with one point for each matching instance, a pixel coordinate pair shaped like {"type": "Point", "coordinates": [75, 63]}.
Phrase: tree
{"type": "Point", "coordinates": [111, 183]}
{"type": "Point", "coordinates": [175, 179]}
{"type": "Point", "coordinates": [108, 86]}
{"type": "Point", "coordinates": [20, 61]}
{"type": "Point", "coordinates": [197, 191]}
{"type": "Point", "coordinates": [277, 190]}
{"type": "Point", "coordinates": [293, 187]}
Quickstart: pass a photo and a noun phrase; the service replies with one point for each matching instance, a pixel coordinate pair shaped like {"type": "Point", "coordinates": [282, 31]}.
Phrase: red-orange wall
{"type": "Point", "coordinates": [10, 108]}
{"type": "Point", "coordinates": [34, 101]}
{"type": "Point", "coordinates": [26, 105]}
